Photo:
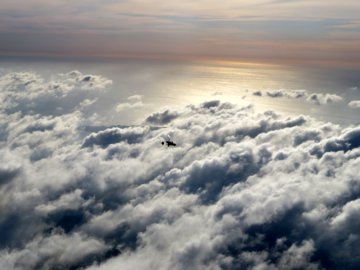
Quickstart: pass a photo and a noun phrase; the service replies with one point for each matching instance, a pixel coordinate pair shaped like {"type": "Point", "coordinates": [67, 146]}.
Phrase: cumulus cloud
{"type": "Point", "coordinates": [321, 99]}
{"type": "Point", "coordinates": [56, 250]}
{"type": "Point", "coordinates": [114, 135]}
{"type": "Point", "coordinates": [29, 92]}
{"type": "Point", "coordinates": [162, 118]}
{"type": "Point", "coordinates": [275, 93]}
{"type": "Point", "coordinates": [242, 190]}
{"type": "Point", "coordinates": [297, 93]}
{"type": "Point", "coordinates": [134, 102]}
{"type": "Point", "coordinates": [257, 93]}
{"type": "Point", "coordinates": [282, 93]}
{"type": "Point", "coordinates": [316, 98]}
{"type": "Point", "coordinates": [354, 104]}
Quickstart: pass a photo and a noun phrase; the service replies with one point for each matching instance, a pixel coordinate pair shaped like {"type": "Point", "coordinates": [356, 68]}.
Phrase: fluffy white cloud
{"type": "Point", "coordinates": [321, 99]}
{"type": "Point", "coordinates": [57, 249]}
{"type": "Point", "coordinates": [298, 93]}
{"type": "Point", "coordinates": [354, 104]}
{"type": "Point", "coordinates": [31, 93]}
{"type": "Point", "coordinates": [242, 189]}
{"type": "Point", "coordinates": [134, 102]}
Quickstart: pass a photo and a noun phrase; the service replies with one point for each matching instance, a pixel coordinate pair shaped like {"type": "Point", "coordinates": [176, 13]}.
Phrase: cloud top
{"type": "Point", "coordinates": [354, 104]}
{"type": "Point", "coordinates": [242, 189]}
{"type": "Point", "coordinates": [30, 93]}
{"type": "Point", "coordinates": [315, 98]}
{"type": "Point", "coordinates": [321, 99]}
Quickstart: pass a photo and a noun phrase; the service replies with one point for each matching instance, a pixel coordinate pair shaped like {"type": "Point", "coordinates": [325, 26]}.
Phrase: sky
{"type": "Point", "coordinates": [296, 31]}
{"type": "Point", "coordinates": [262, 99]}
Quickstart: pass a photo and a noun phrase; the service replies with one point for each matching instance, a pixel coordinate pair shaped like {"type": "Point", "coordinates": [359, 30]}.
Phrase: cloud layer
{"type": "Point", "coordinates": [29, 92]}
{"type": "Point", "coordinates": [242, 189]}
{"type": "Point", "coordinates": [316, 98]}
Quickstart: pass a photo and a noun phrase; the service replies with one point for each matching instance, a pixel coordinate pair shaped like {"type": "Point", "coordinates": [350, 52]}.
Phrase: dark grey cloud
{"type": "Point", "coordinates": [115, 135]}
{"type": "Point", "coordinates": [282, 93]}
{"type": "Point", "coordinates": [242, 190]}
{"type": "Point", "coordinates": [257, 93]}
{"type": "Point", "coordinates": [162, 118]}
{"type": "Point", "coordinates": [275, 94]}
{"type": "Point", "coordinates": [348, 140]}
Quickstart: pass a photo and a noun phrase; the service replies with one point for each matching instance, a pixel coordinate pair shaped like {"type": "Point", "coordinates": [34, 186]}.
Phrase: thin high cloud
{"type": "Point", "coordinates": [257, 30]}
{"type": "Point", "coordinates": [242, 189]}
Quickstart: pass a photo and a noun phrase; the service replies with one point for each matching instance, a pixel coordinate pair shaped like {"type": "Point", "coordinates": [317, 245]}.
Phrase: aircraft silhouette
{"type": "Point", "coordinates": [168, 142]}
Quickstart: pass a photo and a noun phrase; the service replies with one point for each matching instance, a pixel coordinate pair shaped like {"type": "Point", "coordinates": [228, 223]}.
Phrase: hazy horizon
{"type": "Point", "coordinates": [287, 32]}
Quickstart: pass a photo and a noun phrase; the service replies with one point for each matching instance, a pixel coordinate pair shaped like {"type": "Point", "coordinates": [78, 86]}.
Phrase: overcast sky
{"type": "Point", "coordinates": [293, 31]}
